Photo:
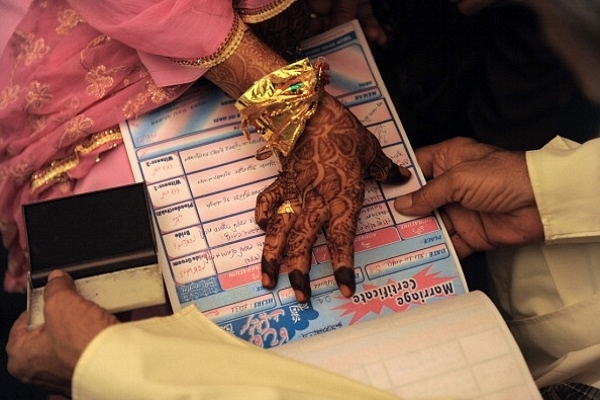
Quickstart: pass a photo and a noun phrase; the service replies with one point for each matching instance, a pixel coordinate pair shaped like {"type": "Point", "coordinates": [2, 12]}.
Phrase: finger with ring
{"type": "Point", "coordinates": [285, 208]}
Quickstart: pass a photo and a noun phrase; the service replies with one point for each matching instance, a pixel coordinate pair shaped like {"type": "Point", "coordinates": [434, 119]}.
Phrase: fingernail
{"type": "Point", "coordinates": [346, 291]}
{"type": "Point", "coordinates": [262, 223]}
{"type": "Point", "coordinates": [301, 284]}
{"type": "Point", "coordinates": [301, 297]}
{"type": "Point", "coordinates": [403, 202]}
{"type": "Point", "coordinates": [405, 172]}
{"type": "Point", "coordinates": [270, 273]}
{"type": "Point", "coordinates": [346, 280]}
{"type": "Point", "coordinates": [57, 273]}
{"type": "Point", "coordinates": [398, 175]}
{"type": "Point", "coordinates": [267, 282]}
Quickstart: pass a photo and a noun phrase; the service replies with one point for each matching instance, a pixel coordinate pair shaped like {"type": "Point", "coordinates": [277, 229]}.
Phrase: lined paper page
{"type": "Point", "coordinates": [459, 347]}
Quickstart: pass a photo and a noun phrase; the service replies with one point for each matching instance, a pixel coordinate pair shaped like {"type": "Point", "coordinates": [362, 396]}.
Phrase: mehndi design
{"type": "Point", "coordinates": [321, 185]}
{"type": "Point", "coordinates": [322, 178]}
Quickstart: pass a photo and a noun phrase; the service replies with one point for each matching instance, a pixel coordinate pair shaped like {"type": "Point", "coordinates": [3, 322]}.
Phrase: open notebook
{"type": "Point", "coordinates": [456, 348]}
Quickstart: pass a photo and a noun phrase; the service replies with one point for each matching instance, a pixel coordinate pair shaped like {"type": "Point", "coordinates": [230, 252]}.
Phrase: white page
{"type": "Point", "coordinates": [459, 347]}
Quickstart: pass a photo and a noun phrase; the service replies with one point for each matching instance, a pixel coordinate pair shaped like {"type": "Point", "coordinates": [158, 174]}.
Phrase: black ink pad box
{"type": "Point", "coordinates": [105, 240]}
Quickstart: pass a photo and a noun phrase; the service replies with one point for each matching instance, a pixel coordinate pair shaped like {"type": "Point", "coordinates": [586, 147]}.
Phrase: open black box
{"type": "Point", "coordinates": [105, 240]}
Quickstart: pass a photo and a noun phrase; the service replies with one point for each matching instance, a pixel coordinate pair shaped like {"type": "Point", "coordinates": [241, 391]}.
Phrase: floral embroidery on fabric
{"type": "Point", "coordinates": [32, 49]}
{"type": "Point", "coordinates": [38, 122]}
{"type": "Point", "coordinates": [20, 172]}
{"type": "Point", "coordinates": [9, 95]}
{"type": "Point", "coordinates": [99, 77]}
{"type": "Point", "coordinates": [98, 40]}
{"type": "Point", "coordinates": [67, 20]}
{"type": "Point", "coordinates": [37, 95]}
{"type": "Point", "coordinates": [133, 106]}
{"type": "Point", "coordinates": [42, 3]}
{"type": "Point", "coordinates": [76, 128]}
{"type": "Point", "coordinates": [45, 117]}
{"type": "Point", "coordinates": [156, 94]}
{"type": "Point", "coordinates": [99, 80]}
{"type": "Point", "coordinates": [159, 94]}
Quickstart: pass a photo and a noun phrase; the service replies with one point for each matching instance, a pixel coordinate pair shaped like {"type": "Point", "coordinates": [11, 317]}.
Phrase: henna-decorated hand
{"type": "Point", "coordinates": [322, 179]}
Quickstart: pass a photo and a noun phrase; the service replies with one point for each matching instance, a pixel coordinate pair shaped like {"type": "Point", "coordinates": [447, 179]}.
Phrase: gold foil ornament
{"type": "Point", "coordinates": [279, 104]}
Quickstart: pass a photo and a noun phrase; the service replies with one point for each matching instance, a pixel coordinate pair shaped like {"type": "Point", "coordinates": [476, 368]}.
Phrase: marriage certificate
{"type": "Point", "coordinates": [203, 178]}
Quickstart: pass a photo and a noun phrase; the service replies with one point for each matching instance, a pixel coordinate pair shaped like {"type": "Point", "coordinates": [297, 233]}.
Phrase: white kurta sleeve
{"type": "Point", "coordinates": [186, 356]}
{"type": "Point", "coordinates": [551, 291]}
{"type": "Point", "coordinates": [566, 182]}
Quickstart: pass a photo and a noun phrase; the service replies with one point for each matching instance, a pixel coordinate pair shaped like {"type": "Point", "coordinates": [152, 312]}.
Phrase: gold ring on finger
{"type": "Point", "coordinates": [285, 208]}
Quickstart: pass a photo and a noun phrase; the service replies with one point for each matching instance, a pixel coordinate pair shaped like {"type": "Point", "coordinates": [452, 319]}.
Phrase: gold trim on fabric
{"type": "Point", "coordinates": [225, 50]}
{"type": "Point", "coordinates": [256, 15]}
{"type": "Point", "coordinates": [57, 170]}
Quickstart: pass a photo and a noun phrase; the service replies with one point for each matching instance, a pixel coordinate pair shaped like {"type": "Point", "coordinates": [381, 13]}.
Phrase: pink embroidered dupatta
{"type": "Point", "coordinates": [75, 68]}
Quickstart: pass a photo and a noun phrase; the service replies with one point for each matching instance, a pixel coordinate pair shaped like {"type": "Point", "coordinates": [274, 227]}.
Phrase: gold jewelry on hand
{"type": "Point", "coordinates": [279, 104]}
{"type": "Point", "coordinates": [285, 208]}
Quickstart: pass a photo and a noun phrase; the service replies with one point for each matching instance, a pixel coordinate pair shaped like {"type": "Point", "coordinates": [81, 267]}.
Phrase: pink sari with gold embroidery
{"type": "Point", "coordinates": [74, 69]}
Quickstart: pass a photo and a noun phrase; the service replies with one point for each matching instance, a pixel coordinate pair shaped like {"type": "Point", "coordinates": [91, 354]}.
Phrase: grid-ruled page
{"type": "Point", "coordinates": [460, 348]}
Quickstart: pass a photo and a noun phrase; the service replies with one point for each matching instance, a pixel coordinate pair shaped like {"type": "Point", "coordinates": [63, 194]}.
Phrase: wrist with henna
{"type": "Point", "coordinates": [251, 61]}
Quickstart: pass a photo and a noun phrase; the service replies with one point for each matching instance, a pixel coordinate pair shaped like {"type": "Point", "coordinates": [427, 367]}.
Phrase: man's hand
{"type": "Point", "coordinates": [322, 179]}
{"type": "Point", "coordinates": [485, 192]}
{"type": "Point", "coordinates": [47, 355]}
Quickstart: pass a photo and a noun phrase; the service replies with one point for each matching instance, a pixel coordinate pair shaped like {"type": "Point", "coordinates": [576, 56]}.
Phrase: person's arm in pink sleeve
{"type": "Point", "coordinates": [184, 29]}
{"type": "Point", "coordinates": [169, 28]}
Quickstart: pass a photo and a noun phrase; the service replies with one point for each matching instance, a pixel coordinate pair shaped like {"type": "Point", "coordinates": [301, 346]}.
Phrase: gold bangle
{"type": "Point", "coordinates": [279, 104]}
{"type": "Point", "coordinates": [261, 14]}
{"type": "Point", "coordinates": [225, 50]}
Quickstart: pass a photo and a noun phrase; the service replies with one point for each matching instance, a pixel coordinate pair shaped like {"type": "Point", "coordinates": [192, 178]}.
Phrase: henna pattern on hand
{"type": "Point", "coordinates": [323, 180]}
